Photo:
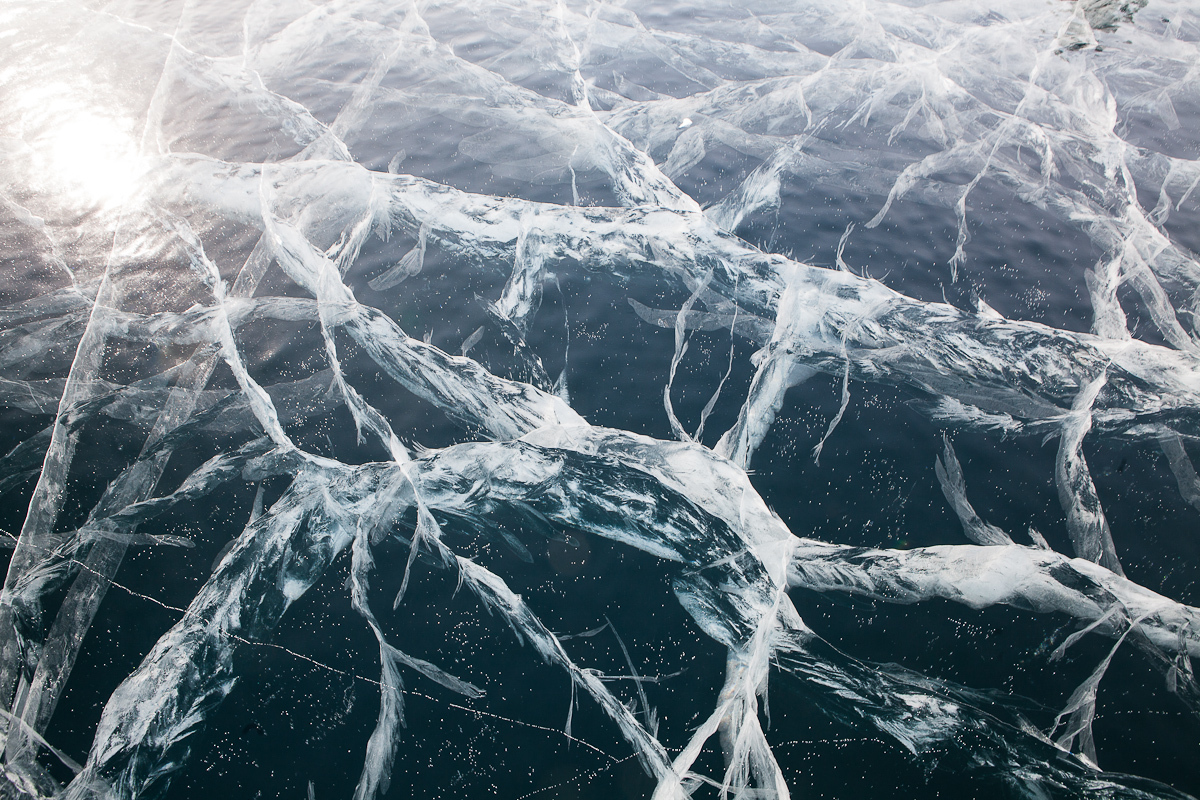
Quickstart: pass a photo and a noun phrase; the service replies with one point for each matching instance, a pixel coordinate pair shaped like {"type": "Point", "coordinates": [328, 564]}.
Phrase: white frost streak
{"type": "Point", "coordinates": [954, 487]}
{"type": "Point", "coordinates": [1025, 577]}
{"type": "Point", "coordinates": [1086, 521]}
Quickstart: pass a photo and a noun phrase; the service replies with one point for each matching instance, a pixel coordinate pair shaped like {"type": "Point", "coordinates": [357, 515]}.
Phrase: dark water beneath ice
{"type": "Point", "coordinates": [306, 700]}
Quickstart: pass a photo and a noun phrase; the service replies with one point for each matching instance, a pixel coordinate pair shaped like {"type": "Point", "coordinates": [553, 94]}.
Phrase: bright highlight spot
{"type": "Point", "coordinates": [95, 160]}
{"type": "Point", "coordinates": [87, 157]}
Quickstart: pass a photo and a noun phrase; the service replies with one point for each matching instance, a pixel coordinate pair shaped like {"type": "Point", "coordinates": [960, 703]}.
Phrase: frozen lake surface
{"type": "Point", "coordinates": [587, 399]}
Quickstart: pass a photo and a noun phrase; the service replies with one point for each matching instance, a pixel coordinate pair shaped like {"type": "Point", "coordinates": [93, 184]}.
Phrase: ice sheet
{"type": "Point", "coordinates": [243, 241]}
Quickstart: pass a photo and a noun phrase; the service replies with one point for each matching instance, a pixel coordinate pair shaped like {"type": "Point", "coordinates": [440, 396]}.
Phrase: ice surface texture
{"type": "Point", "coordinates": [310, 307]}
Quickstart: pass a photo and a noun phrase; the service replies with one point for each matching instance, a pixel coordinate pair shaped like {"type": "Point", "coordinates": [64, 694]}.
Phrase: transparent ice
{"type": "Point", "coordinates": [308, 304]}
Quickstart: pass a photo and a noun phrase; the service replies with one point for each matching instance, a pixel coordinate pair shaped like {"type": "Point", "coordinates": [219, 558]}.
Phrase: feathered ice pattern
{"type": "Point", "coordinates": [197, 197]}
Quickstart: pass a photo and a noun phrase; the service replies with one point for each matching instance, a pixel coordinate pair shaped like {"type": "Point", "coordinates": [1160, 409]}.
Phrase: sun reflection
{"type": "Point", "coordinates": [85, 156]}
{"type": "Point", "coordinates": [95, 159]}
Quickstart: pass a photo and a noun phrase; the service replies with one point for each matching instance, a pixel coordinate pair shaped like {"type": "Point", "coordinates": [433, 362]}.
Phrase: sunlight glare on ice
{"type": "Point", "coordinates": [90, 155]}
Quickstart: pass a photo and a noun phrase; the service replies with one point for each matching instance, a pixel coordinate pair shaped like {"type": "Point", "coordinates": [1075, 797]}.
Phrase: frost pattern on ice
{"type": "Point", "coordinates": [184, 182]}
